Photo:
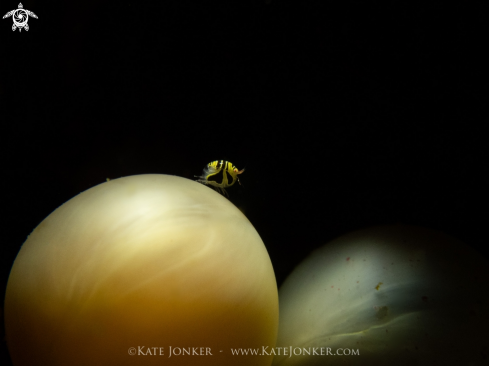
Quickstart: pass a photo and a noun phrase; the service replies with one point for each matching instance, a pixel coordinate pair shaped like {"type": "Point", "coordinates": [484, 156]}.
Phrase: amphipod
{"type": "Point", "coordinates": [220, 174]}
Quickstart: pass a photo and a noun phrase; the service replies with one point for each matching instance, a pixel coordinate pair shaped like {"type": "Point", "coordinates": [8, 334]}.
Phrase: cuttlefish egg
{"type": "Point", "coordinates": [394, 295]}
{"type": "Point", "coordinates": [142, 270]}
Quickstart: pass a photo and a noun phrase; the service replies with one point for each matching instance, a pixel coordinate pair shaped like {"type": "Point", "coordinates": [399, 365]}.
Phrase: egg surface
{"type": "Point", "coordinates": [391, 295]}
{"type": "Point", "coordinates": [142, 270]}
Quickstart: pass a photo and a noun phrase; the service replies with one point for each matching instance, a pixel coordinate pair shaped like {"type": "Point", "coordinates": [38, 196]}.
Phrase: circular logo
{"type": "Point", "coordinates": [20, 17]}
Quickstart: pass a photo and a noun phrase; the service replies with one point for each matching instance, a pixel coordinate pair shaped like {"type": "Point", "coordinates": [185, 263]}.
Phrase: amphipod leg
{"type": "Point", "coordinates": [241, 171]}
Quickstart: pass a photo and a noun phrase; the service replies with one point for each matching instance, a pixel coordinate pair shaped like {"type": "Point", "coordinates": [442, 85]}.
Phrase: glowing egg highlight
{"type": "Point", "coordinates": [397, 294]}
{"type": "Point", "coordinates": [142, 261]}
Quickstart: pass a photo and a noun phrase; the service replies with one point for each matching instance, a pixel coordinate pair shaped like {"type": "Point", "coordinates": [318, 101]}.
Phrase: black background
{"type": "Point", "coordinates": [344, 116]}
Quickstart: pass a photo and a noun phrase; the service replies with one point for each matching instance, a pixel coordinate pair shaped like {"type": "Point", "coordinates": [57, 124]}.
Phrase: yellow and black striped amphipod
{"type": "Point", "coordinates": [220, 174]}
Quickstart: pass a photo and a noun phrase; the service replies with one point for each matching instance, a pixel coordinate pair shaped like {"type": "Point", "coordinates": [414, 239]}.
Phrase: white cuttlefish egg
{"type": "Point", "coordinates": [395, 295]}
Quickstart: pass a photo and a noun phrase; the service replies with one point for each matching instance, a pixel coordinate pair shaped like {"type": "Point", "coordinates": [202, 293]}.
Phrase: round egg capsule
{"type": "Point", "coordinates": [142, 270]}
{"type": "Point", "coordinates": [393, 295]}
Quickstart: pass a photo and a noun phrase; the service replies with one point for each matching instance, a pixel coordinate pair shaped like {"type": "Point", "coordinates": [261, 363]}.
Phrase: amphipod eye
{"type": "Point", "coordinates": [220, 174]}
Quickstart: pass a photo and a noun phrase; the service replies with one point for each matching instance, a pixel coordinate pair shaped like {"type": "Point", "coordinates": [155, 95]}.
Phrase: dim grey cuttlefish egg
{"type": "Point", "coordinates": [393, 295]}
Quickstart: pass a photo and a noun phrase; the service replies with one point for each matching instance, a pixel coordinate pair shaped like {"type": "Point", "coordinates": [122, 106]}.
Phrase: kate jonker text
{"type": "Point", "coordinates": [172, 351]}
